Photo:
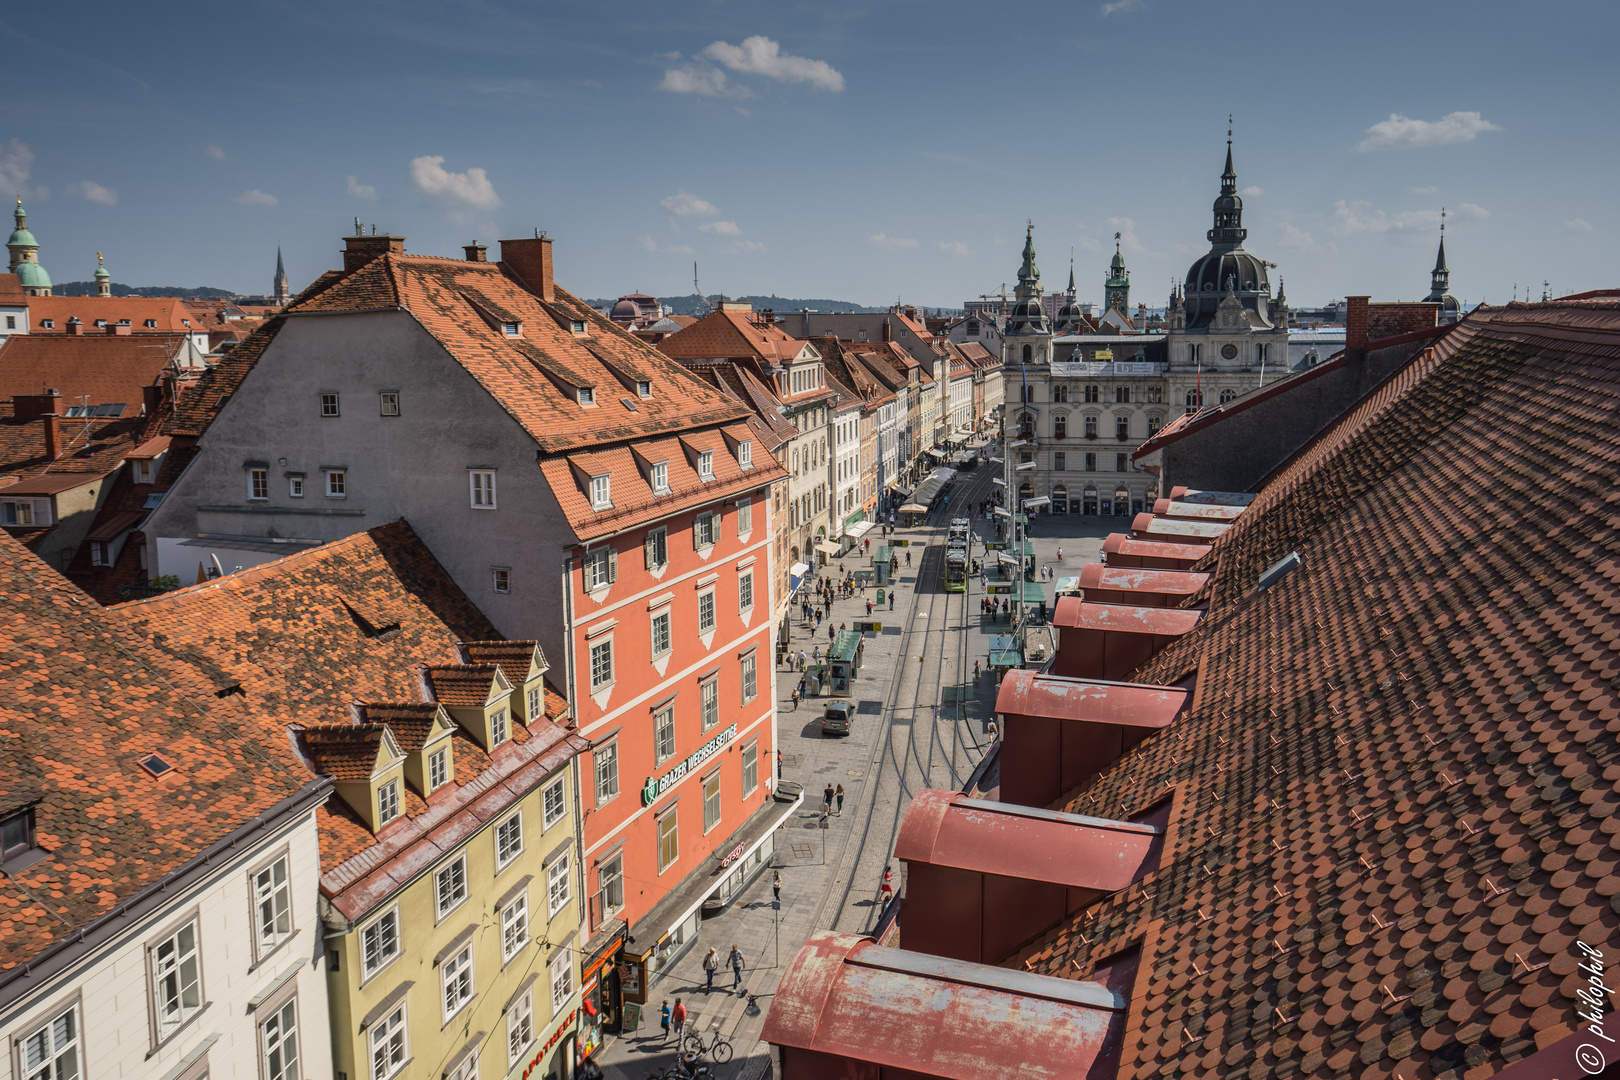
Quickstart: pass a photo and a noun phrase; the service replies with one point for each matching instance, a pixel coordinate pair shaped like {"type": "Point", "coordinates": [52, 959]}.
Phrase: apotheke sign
{"type": "Point", "coordinates": [656, 787]}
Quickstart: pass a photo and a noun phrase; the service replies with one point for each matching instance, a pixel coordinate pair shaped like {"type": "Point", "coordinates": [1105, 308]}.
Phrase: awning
{"type": "Point", "coordinates": [1003, 511]}
{"type": "Point", "coordinates": [116, 525]}
{"type": "Point", "coordinates": [796, 574]}
{"type": "Point", "coordinates": [859, 529]}
{"type": "Point", "coordinates": [1037, 502]}
{"type": "Point", "coordinates": [829, 549]}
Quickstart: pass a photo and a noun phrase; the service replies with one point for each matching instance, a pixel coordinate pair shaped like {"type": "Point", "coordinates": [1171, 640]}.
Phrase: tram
{"type": "Point", "coordinates": [956, 567]}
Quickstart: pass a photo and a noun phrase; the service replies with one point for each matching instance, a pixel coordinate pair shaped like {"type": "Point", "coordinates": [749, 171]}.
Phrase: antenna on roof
{"type": "Point", "coordinates": [359, 230]}
{"type": "Point", "coordinates": [539, 234]}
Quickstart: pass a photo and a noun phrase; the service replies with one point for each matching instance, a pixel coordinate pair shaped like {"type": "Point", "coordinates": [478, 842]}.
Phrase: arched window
{"type": "Point", "coordinates": [1026, 490]}
{"type": "Point", "coordinates": [1093, 395]}
{"type": "Point", "coordinates": [1122, 395]}
{"type": "Point", "coordinates": [1195, 399]}
{"type": "Point", "coordinates": [1155, 394]}
{"type": "Point", "coordinates": [1228, 395]}
{"type": "Point", "coordinates": [1029, 353]}
{"type": "Point", "coordinates": [1060, 393]}
{"type": "Point", "coordinates": [1091, 427]}
{"type": "Point", "coordinates": [1122, 428]}
{"type": "Point", "coordinates": [1060, 426]}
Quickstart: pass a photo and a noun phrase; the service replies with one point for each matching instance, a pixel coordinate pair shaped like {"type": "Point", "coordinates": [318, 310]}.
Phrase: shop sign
{"type": "Point", "coordinates": [657, 786]}
{"type": "Point", "coordinates": [556, 1037]}
{"type": "Point", "coordinates": [733, 856]}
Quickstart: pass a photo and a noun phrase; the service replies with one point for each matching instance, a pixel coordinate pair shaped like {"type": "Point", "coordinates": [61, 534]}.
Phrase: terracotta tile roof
{"type": "Point", "coordinates": [732, 335]}
{"type": "Point", "coordinates": [344, 751]}
{"type": "Point", "coordinates": [740, 381]}
{"type": "Point", "coordinates": [410, 721]}
{"type": "Point", "coordinates": [168, 312]}
{"type": "Point", "coordinates": [1397, 778]}
{"type": "Point", "coordinates": [512, 657]}
{"type": "Point", "coordinates": [198, 406]}
{"type": "Point", "coordinates": [81, 702]}
{"type": "Point", "coordinates": [461, 686]}
{"type": "Point", "coordinates": [103, 368]}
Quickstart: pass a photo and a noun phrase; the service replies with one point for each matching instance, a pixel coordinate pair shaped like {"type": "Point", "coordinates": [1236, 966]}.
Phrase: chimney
{"type": "Point", "coordinates": [530, 262]}
{"type": "Point", "coordinates": [888, 331]}
{"type": "Point", "coordinates": [360, 249]}
{"type": "Point", "coordinates": [119, 329]}
{"type": "Point", "coordinates": [768, 317]}
{"type": "Point", "coordinates": [74, 326]}
{"type": "Point", "coordinates": [476, 252]}
{"type": "Point", "coordinates": [27, 405]}
{"type": "Point", "coordinates": [151, 400]}
{"type": "Point", "coordinates": [53, 435]}
{"type": "Point", "coordinates": [1355, 322]}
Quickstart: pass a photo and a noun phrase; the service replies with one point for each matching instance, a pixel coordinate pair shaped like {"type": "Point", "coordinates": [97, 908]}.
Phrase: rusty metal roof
{"type": "Point", "coordinates": [1029, 693]}
{"type": "Point", "coordinates": [1121, 546]}
{"type": "Point", "coordinates": [1075, 614]}
{"type": "Point", "coordinates": [1138, 579]}
{"type": "Point", "coordinates": [1172, 530]}
{"type": "Point", "coordinates": [850, 998]}
{"type": "Point", "coordinates": [946, 828]}
{"type": "Point", "coordinates": [1187, 510]}
{"type": "Point", "coordinates": [1217, 498]}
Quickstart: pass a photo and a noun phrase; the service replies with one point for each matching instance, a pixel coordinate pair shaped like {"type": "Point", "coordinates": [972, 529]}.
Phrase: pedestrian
{"type": "Point", "coordinates": [795, 696]}
{"type": "Point", "coordinates": [779, 764]}
{"type": "Point", "coordinates": [663, 1019]}
{"type": "Point", "coordinates": [975, 671]}
{"type": "Point", "coordinates": [711, 964]}
{"type": "Point", "coordinates": [840, 796]}
{"type": "Point", "coordinates": [589, 1070]}
{"type": "Point", "coordinates": [678, 1017]}
{"type": "Point", "coordinates": [888, 883]}
{"type": "Point", "coordinates": [831, 633]}
{"type": "Point", "coordinates": [802, 659]}
{"type": "Point", "coordinates": [827, 798]}
{"type": "Point", "coordinates": [891, 600]}
{"type": "Point", "coordinates": [776, 885]}
{"type": "Point", "coordinates": [869, 609]}
{"type": "Point", "coordinates": [908, 556]}
{"type": "Point", "coordinates": [991, 727]}
{"type": "Point", "coordinates": [736, 967]}
{"type": "Point", "coordinates": [1060, 554]}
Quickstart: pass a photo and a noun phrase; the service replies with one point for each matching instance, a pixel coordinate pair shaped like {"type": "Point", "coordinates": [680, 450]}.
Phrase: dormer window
{"type": "Point", "coordinates": [16, 836]}
{"type": "Point", "coordinates": [438, 768]}
{"type": "Point", "coordinates": [578, 327]}
{"type": "Point", "coordinates": [186, 323]}
{"type": "Point", "coordinates": [644, 389]}
{"type": "Point", "coordinates": [601, 492]}
{"type": "Point", "coordinates": [587, 395]}
{"type": "Point", "coordinates": [499, 729]}
{"type": "Point", "coordinates": [101, 324]}
{"type": "Point", "coordinates": [47, 324]}
{"type": "Point", "coordinates": [660, 478]}
{"type": "Point", "coordinates": [745, 453]}
{"type": "Point", "coordinates": [706, 465]}
{"type": "Point", "coordinates": [151, 324]}
{"type": "Point", "coordinates": [388, 804]}
{"type": "Point", "coordinates": [512, 329]}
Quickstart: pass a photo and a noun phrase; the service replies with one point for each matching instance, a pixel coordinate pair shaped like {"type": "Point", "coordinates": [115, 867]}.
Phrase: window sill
{"type": "Point", "coordinates": [367, 979]}
{"type": "Point", "coordinates": [162, 1043]}
{"type": "Point", "coordinates": [266, 956]}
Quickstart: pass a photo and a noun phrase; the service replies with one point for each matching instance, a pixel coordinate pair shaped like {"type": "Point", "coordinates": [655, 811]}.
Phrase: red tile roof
{"type": "Point", "coordinates": [81, 702]}
{"type": "Point", "coordinates": [95, 368]}
{"type": "Point", "coordinates": [733, 335]}
{"type": "Point", "coordinates": [170, 313]}
{"type": "Point", "coordinates": [1398, 772]}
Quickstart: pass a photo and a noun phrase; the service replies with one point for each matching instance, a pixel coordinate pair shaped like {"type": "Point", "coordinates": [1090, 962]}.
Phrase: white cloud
{"type": "Point", "coordinates": [16, 165]}
{"type": "Point", "coordinates": [955, 247]}
{"type": "Point", "coordinates": [90, 191]}
{"type": "Point", "coordinates": [1088, 243]}
{"type": "Point", "coordinates": [649, 244]}
{"type": "Point", "coordinates": [215, 151]}
{"type": "Point", "coordinates": [720, 228]}
{"type": "Point", "coordinates": [1423, 190]}
{"type": "Point", "coordinates": [1126, 228]}
{"type": "Point", "coordinates": [256, 198]}
{"type": "Point", "coordinates": [1253, 190]}
{"type": "Point", "coordinates": [890, 243]}
{"type": "Point", "coordinates": [1362, 216]}
{"type": "Point", "coordinates": [684, 204]}
{"type": "Point", "coordinates": [1119, 7]}
{"type": "Point", "coordinates": [460, 193]}
{"type": "Point", "coordinates": [1576, 225]}
{"type": "Point", "coordinates": [1471, 212]}
{"type": "Point", "coordinates": [361, 191]}
{"type": "Point", "coordinates": [759, 55]}
{"type": "Point", "coordinates": [1296, 238]}
{"type": "Point", "coordinates": [1402, 131]}
{"type": "Point", "coordinates": [743, 247]}
{"type": "Point", "coordinates": [698, 79]}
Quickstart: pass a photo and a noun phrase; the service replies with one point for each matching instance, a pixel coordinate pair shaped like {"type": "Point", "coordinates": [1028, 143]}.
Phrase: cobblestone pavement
{"type": "Point", "coordinates": [921, 721]}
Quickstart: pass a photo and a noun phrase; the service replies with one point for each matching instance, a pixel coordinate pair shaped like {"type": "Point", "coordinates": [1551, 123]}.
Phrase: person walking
{"type": "Point", "coordinates": [908, 556]}
{"type": "Point", "coordinates": [1060, 554]}
{"type": "Point", "coordinates": [891, 599]}
{"type": "Point", "coordinates": [776, 885]}
{"type": "Point", "coordinates": [795, 697]}
{"type": "Point", "coordinates": [779, 764]}
{"type": "Point", "coordinates": [711, 964]}
{"type": "Point", "coordinates": [975, 671]}
{"type": "Point", "coordinates": [832, 632]}
{"type": "Point", "coordinates": [839, 795]}
{"type": "Point", "coordinates": [663, 1019]}
{"type": "Point", "coordinates": [888, 886]}
{"type": "Point", "coordinates": [869, 608]}
{"type": "Point", "coordinates": [736, 968]}
{"type": "Point", "coordinates": [827, 798]}
{"type": "Point", "coordinates": [677, 1017]}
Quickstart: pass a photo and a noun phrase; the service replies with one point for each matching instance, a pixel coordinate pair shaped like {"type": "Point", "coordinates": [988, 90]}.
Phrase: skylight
{"type": "Point", "coordinates": [156, 764]}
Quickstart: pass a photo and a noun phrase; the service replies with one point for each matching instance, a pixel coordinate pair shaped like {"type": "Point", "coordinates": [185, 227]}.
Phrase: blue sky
{"type": "Point", "coordinates": [860, 151]}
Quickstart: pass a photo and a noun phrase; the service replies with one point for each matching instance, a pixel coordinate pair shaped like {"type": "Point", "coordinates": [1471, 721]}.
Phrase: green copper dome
{"type": "Point", "coordinates": [22, 238]}
{"type": "Point", "coordinates": [101, 272]}
{"type": "Point", "coordinates": [33, 276]}
{"type": "Point", "coordinates": [1118, 262]}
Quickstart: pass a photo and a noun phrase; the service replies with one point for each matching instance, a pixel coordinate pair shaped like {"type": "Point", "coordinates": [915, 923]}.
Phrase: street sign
{"type": "Point", "coordinates": [869, 627]}
{"type": "Point", "coordinates": [776, 905]}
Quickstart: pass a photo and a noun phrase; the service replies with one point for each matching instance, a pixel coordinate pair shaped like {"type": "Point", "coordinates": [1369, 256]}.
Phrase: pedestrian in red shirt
{"type": "Point", "coordinates": [677, 1017]}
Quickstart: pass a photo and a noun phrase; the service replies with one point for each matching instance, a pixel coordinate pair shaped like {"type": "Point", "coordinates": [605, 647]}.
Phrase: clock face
{"type": "Point", "coordinates": [1229, 351]}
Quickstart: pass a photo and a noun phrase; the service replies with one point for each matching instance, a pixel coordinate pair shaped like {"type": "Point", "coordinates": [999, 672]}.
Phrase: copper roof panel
{"type": "Point", "coordinates": [1076, 614]}
{"type": "Point", "coordinates": [1029, 693]}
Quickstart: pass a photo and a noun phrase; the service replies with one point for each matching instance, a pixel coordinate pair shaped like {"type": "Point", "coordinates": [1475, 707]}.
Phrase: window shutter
{"type": "Point", "coordinates": [649, 551]}
{"type": "Point", "coordinates": [697, 532]}
{"type": "Point", "coordinates": [716, 519]}
{"type": "Point", "coordinates": [613, 566]}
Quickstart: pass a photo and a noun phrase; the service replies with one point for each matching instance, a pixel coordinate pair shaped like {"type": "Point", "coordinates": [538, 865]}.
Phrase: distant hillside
{"type": "Point", "coordinates": [88, 288]}
{"type": "Point", "coordinates": [691, 304]}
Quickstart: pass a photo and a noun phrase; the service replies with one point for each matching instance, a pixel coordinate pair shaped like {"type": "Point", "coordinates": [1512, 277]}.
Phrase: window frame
{"type": "Point", "coordinates": [599, 569]}
{"type": "Point", "coordinates": [521, 1013]}
{"type": "Point", "coordinates": [388, 403]}
{"type": "Point", "coordinates": [745, 454]}
{"type": "Point", "coordinates": [500, 728]}
{"type": "Point", "coordinates": [605, 645]}
{"type": "Point", "coordinates": [750, 768]}
{"type": "Point", "coordinates": [547, 818]}
{"type": "Point", "coordinates": [663, 733]}
{"type": "Point", "coordinates": [712, 801]}
{"type": "Point", "coordinates": [655, 548]}
{"type": "Point", "coordinates": [295, 486]}
{"type": "Point", "coordinates": [456, 973]}
{"type": "Point", "coordinates": [45, 1025]}
{"type": "Point", "coordinates": [337, 483]}
{"type": "Point", "coordinates": [161, 1032]}
{"type": "Point", "coordinates": [500, 579]}
{"type": "Point", "coordinates": [457, 865]}
{"type": "Point", "coordinates": [705, 465]}
{"type": "Point", "coordinates": [709, 701]}
{"type": "Point", "coordinates": [516, 817]}
{"type": "Point", "coordinates": [259, 485]}
{"type": "Point", "coordinates": [745, 590]}
{"type": "Point", "coordinates": [616, 876]}
{"type": "Point", "coordinates": [661, 616]}
{"type": "Point", "coordinates": [481, 491]}
{"type": "Point", "coordinates": [748, 675]}
{"type": "Point", "coordinates": [262, 948]}
{"type": "Point", "coordinates": [438, 768]}
{"type": "Point", "coordinates": [672, 837]}
{"type": "Point", "coordinates": [601, 491]}
{"type": "Point", "coordinates": [561, 971]}
{"type": "Point", "coordinates": [708, 616]}
{"type": "Point", "coordinates": [288, 1034]}
{"type": "Point", "coordinates": [514, 914]}
{"type": "Point", "coordinates": [389, 798]}
{"type": "Point", "coordinates": [389, 917]}
{"type": "Point", "coordinates": [658, 477]}
{"type": "Point", "coordinates": [395, 1023]}
{"type": "Point", "coordinates": [559, 883]}
{"type": "Point", "coordinates": [331, 406]}
{"type": "Point", "coordinates": [609, 752]}
{"type": "Point", "coordinates": [745, 517]}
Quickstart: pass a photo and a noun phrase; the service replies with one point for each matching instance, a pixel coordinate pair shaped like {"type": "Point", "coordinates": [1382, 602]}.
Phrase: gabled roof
{"type": "Point", "coordinates": [733, 335]}
{"type": "Point", "coordinates": [1399, 762]}
{"type": "Point", "coordinates": [465, 686]}
{"type": "Point", "coordinates": [94, 369]}
{"type": "Point", "coordinates": [169, 312]}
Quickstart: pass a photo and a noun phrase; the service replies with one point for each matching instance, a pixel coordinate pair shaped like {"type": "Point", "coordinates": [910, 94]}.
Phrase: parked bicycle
{"type": "Point", "coordinates": [718, 1048]}
{"type": "Point", "coordinates": [686, 1067]}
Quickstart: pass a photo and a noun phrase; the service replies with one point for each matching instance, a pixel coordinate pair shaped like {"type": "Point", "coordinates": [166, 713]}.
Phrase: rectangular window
{"type": "Point", "coordinates": [143, 471]}
{"type": "Point", "coordinates": [329, 405]}
{"type": "Point", "coordinates": [562, 980]}
{"type": "Point", "coordinates": [663, 735]}
{"type": "Point", "coordinates": [710, 690]}
{"type": "Point", "coordinates": [100, 553]}
{"type": "Point", "coordinates": [610, 878]}
{"type": "Point", "coordinates": [553, 803]}
{"type": "Point", "coordinates": [295, 487]}
{"type": "Point", "coordinates": [272, 905]}
{"type": "Point", "coordinates": [1122, 427]}
{"type": "Point", "coordinates": [456, 982]}
{"type": "Point", "coordinates": [482, 482]}
{"type": "Point", "coordinates": [577, 326]}
{"type": "Point", "coordinates": [450, 886]}
{"type": "Point", "coordinates": [601, 493]}
{"type": "Point", "coordinates": [514, 927]}
{"type": "Point", "coordinates": [607, 772]}
{"type": "Point", "coordinates": [519, 1029]}
{"type": "Point", "coordinates": [467, 1070]}
{"type": "Point", "coordinates": [643, 388]}
{"type": "Point", "coordinates": [1091, 463]}
{"type": "Point", "coordinates": [750, 677]}
{"type": "Point", "coordinates": [587, 395]}
{"type": "Point", "coordinates": [706, 612]}
{"type": "Point", "coordinates": [1091, 427]}
{"type": "Point", "coordinates": [745, 517]}
{"type": "Point", "coordinates": [388, 1044]}
{"type": "Point", "coordinates": [51, 1052]}
{"type": "Point", "coordinates": [438, 769]}
{"type": "Point", "coordinates": [499, 730]}
{"type": "Point", "coordinates": [660, 478]}
{"type": "Point", "coordinates": [1059, 460]}
{"type": "Point", "coordinates": [745, 590]}
{"type": "Point", "coordinates": [379, 943]}
{"type": "Point", "coordinates": [706, 465]}
{"type": "Point", "coordinates": [258, 484]}
{"type": "Point", "coordinates": [387, 803]}
{"type": "Point", "coordinates": [278, 1043]}
{"type": "Point", "coordinates": [537, 705]}
{"type": "Point", "coordinates": [500, 579]}
{"type": "Point", "coordinates": [660, 634]}
{"type": "Point", "coordinates": [711, 802]}
{"type": "Point", "coordinates": [557, 884]}
{"type": "Point", "coordinates": [750, 768]}
{"type": "Point", "coordinates": [388, 404]}
{"type": "Point", "coordinates": [176, 980]}
{"type": "Point", "coordinates": [601, 567]}
{"type": "Point", "coordinates": [601, 665]}
{"type": "Point", "coordinates": [656, 548]}
{"type": "Point", "coordinates": [669, 841]}
{"type": "Point", "coordinates": [508, 840]}
{"type": "Point", "coordinates": [706, 530]}
{"type": "Point", "coordinates": [337, 484]}
{"type": "Point", "coordinates": [1121, 462]}
{"type": "Point", "coordinates": [745, 454]}
{"type": "Point", "coordinates": [511, 329]}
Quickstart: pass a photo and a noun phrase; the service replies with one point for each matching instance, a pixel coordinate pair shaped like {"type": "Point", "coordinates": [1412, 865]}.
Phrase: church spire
{"type": "Point", "coordinates": [1440, 276]}
{"type": "Point", "coordinates": [103, 279]}
{"type": "Point", "coordinates": [1029, 275]}
{"type": "Point", "coordinates": [283, 292]}
{"type": "Point", "coordinates": [1228, 231]}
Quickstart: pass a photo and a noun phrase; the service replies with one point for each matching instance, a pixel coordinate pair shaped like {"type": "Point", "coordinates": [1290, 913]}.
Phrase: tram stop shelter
{"type": "Point", "coordinates": [843, 663]}
{"type": "Point", "coordinates": [882, 565]}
